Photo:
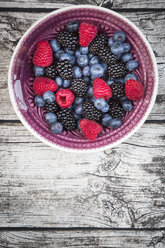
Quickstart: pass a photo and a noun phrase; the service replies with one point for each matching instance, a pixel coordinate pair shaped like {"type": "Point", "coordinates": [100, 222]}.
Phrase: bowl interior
{"type": "Point", "coordinates": [22, 76]}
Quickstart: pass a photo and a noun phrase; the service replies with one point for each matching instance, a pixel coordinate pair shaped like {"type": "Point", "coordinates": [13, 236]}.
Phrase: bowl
{"type": "Point", "coordinates": [20, 78]}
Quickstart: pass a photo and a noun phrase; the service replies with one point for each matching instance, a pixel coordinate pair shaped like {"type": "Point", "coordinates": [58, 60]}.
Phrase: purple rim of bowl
{"type": "Point", "coordinates": [20, 78]}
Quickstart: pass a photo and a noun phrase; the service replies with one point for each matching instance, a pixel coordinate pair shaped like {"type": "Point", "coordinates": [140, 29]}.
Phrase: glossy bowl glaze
{"type": "Point", "coordinates": [21, 78]}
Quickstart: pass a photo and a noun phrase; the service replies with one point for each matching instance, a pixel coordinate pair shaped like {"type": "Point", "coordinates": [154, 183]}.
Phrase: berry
{"type": "Point", "coordinates": [50, 72]}
{"type": "Point", "coordinates": [77, 117]}
{"type": "Point", "coordinates": [77, 72]}
{"type": "Point", "coordinates": [77, 53]}
{"type": "Point", "coordinates": [127, 47]}
{"type": "Point", "coordinates": [43, 55]}
{"type": "Point", "coordinates": [110, 81]}
{"type": "Point", "coordinates": [100, 41]}
{"type": "Point", "coordinates": [117, 48]}
{"type": "Point", "coordinates": [118, 89]}
{"type": "Point", "coordinates": [38, 71]}
{"type": "Point", "coordinates": [84, 50]}
{"type": "Point", "coordinates": [59, 53]}
{"type": "Point", "coordinates": [120, 80]}
{"type": "Point", "coordinates": [49, 96]}
{"type": "Point", "coordinates": [106, 120]}
{"type": "Point", "coordinates": [59, 81]}
{"type": "Point", "coordinates": [69, 51]}
{"type": "Point", "coordinates": [126, 57]}
{"type": "Point", "coordinates": [72, 26]}
{"type": "Point", "coordinates": [96, 71]}
{"type": "Point", "coordinates": [42, 84]}
{"type": "Point", "coordinates": [115, 123]}
{"type": "Point", "coordinates": [110, 41]}
{"type": "Point", "coordinates": [90, 91]}
{"type": "Point", "coordinates": [87, 32]}
{"type": "Point", "coordinates": [122, 99]}
{"type": "Point", "coordinates": [78, 100]}
{"type": "Point", "coordinates": [64, 98]}
{"type": "Point", "coordinates": [68, 40]}
{"type": "Point", "coordinates": [94, 60]}
{"type": "Point", "coordinates": [119, 36]}
{"type": "Point", "coordinates": [50, 118]}
{"type": "Point", "coordinates": [86, 71]}
{"type": "Point", "coordinates": [132, 65]}
{"type": "Point", "coordinates": [55, 45]}
{"type": "Point", "coordinates": [66, 117]}
{"type": "Point", "coordinates": [82, 60]}
{"type": "Point", "coordinates": [87, 80]}
{"type": "Point", "coordinates": [90, 129]}
{"type": "Point", "coordinates": [106, 56]}
{"type": "Point", "coordinates": [39, 101]}
{"type": "Point", "coordinates": [105, 108]}
{"type": "Point", "coordinates": [99, 103]}
{"type": "Point", "coordinates": [66, 56]}
{"type": "Point", "coordinates": [105, 66]}
{"type": "Point", "coordinates": [130, 76]}
{"type": "Point", "coordinates": [79, 87]}
{"type": "Point", "coordinates": [65, 69]}
{"type": "Point", "coordinates": [56, 128]}
{"type": "Point", "coordinates": [90, 55]}
{"type": "Point", "coordinates": [115, 109]}
{"type": "Point", "coordinates": [134, 90]}
{"type": "Point", "coordinates": [51, 107]}
{"type": "Point", "coordinates": [116, 70]}
{"type": "Point", "coordinates": [127, 105]}
{"type": "Point", "coordinates": [90, 112]}
{"type": "Point", "coordinates": [78, 109]}
{"type": "Point", "coordinates": [66, 83]}
{"type": "Point", "coordinates": [101, 89]}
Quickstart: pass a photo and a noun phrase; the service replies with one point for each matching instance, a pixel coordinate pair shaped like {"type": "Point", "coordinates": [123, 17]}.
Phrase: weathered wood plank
{"type": "Point", "coordinates": [83, 239]}
{"type": "Point", "coordinates": [13, 25]}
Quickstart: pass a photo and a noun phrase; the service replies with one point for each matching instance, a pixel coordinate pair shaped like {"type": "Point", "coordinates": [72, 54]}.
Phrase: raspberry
{"type": "Point", "coordinates": [90, 129]}
{"type": "Point", "coordinates": [101, 89]}
{"type": "Point", "coordinates": [87, 32]}
{"type": "Point", "coordinates": [66, 118]}
{"type": "Point", "coordinates": [64, 98]}
{"type": "Point", "coordinates": [42, 84]}
{"type": "Point", "coordinates": [79, 87]}
{"type": "Point", "coordinates": [134, 90]}
{"type": "Point", "coordinates": [43, 55]}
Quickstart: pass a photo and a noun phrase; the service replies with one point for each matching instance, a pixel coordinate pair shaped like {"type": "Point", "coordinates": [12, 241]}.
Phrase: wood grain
{"type": "Point", "coordinates": [83, 239]}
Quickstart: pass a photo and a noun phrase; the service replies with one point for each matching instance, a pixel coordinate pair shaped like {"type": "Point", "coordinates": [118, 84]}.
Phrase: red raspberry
{"type": "Point", "coordinates": [43, 55]}
{"type": "Point", "coordinates": [90, 129]}
{"type": "Point", "coordinates": [134, 90]}
{"type": "Point", "coordinates": [42, 84]}
{"type": "Point", "coordinates": [101, 89]}
{"type": "Point", "coordinates": [64, 98]}
{"type": "Point", "coordinates": [87, 32]}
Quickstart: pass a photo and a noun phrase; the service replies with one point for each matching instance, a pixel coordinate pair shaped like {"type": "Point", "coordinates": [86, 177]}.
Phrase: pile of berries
{"type": "Point", "coordinates": [84, 80]}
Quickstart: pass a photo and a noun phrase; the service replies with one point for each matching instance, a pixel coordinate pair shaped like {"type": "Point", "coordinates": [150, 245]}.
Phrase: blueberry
{"type": "Point", "coordinates": [59, 53]}
{"type": "Point", "coordinates": [84, 50]}
{"type": "Point", "coordinates": [115, 123]}
{"type": "Point", "coordinates": [86, 71]}
{"type": "Point", "coordinates": [77, 72]}
{"type": "Point", "coordinates": [49, 97]}
{"type": "Point", "coordinates": [106, 120]}
{"type": "Point", "coordinates": [119, 36]}
{"type": "Point", "coordinates": [90, 55]}
{"type": "Point", "coordinates": [126, 57]}
{"type": "Point", "coordinates": [92, 99]}
{"type": "Point", "coordinates": [87, 79]}
{"type": "Point", "coordinates": [56, 127]}
{"type": "Point", "coordinates": [68, 57]}
{"type": "Point", "coordinates": [66, 83]}
{"type": "Point", "coordinates": [82, 60]}
{"type": "Point", "coordinates": [38, 71]}
{"type": "Point", "coordinates": [69, 51]}
{"type": "Point", "coordinates": [77, 53]}
{"type": "Point", "coordinates": [121, 80]}
{"type": "Point", "coordinates": [132, 65]}
{"type": "Point", "coordinates": [110, 41]}
{"type": "Point", "coordinates": [50, 118]}
{"type": "Point", "coordinates": [105, 108]}
{"type": "Point", "coordinates": [96, 71]}
{"type": "Point", "coordinates": [123, 98]}
{"type": "Point", "coordinates": [78, 109]}
{"type": "Point", "coordinates": [100, 103]}
{"type": "Point", "coordinates": [39, 101]}
{"type": "Point", "coordinates": [127, 47]}
{"type": "Point", "coordinates": [127, 105]}
{"type": "Point", "coordinates": [94, 60]}
{"type": "Point", "coordinates": [130, 76]}
{"type": "Point", "coordinates": [105, 66]}
{"type": "Point", "coordinates": [55, 45]}
{"type": "Point", "coordinates": [78, 100]}
{"type": "Point", "coordinates": [90, 91]}
{"type": "Point", "coordinates": [110, 81]}
{"type": "Point", "coordinates": [59, 81]}
{"type": "Point", "coordinates": [72, 26]}
{"type": "Point", "coordinates": [76, 116]}
{"type": "Point", "coordinates": [117, 48]}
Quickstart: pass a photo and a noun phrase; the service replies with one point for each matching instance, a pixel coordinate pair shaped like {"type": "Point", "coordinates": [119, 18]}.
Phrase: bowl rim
{"type": "Point", "coordinates": [75, 150]}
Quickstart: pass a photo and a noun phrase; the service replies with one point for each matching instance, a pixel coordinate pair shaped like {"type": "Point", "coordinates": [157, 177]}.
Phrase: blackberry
{"type": "Point", "coordinates": [79, 87]}
{"type": "Point", "coordinates": [65, 116]}
{"type": "Point", "coordinates": [68, 40]}
{"type": "Point", "coordinates": [106, 56]}
{"type": "Point", "coordinates": [118, 89]}
{"type": "Point", "coordinates": [65, 69]}
{"type": "Point", "coordinates": [100, 41]}
{"type": "Point", "coordinates": [90, 112]}
{"type": "Point", "coordinates": [116, 70]}
{"type": "Point", "coordinates": [51, 107]}
{"type": "Point", "coordinates": [50, 72]}
{"type": "Point", "coordinates": [115, 109]}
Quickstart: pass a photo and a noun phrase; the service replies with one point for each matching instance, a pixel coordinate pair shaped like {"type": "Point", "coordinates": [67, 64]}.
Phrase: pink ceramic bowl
{"type": "Point", "coordinates": [21, 78]}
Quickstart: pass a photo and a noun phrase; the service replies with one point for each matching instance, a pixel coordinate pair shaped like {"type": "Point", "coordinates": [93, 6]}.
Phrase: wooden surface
{"type": "Point", "coordinates": [114, 198]}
